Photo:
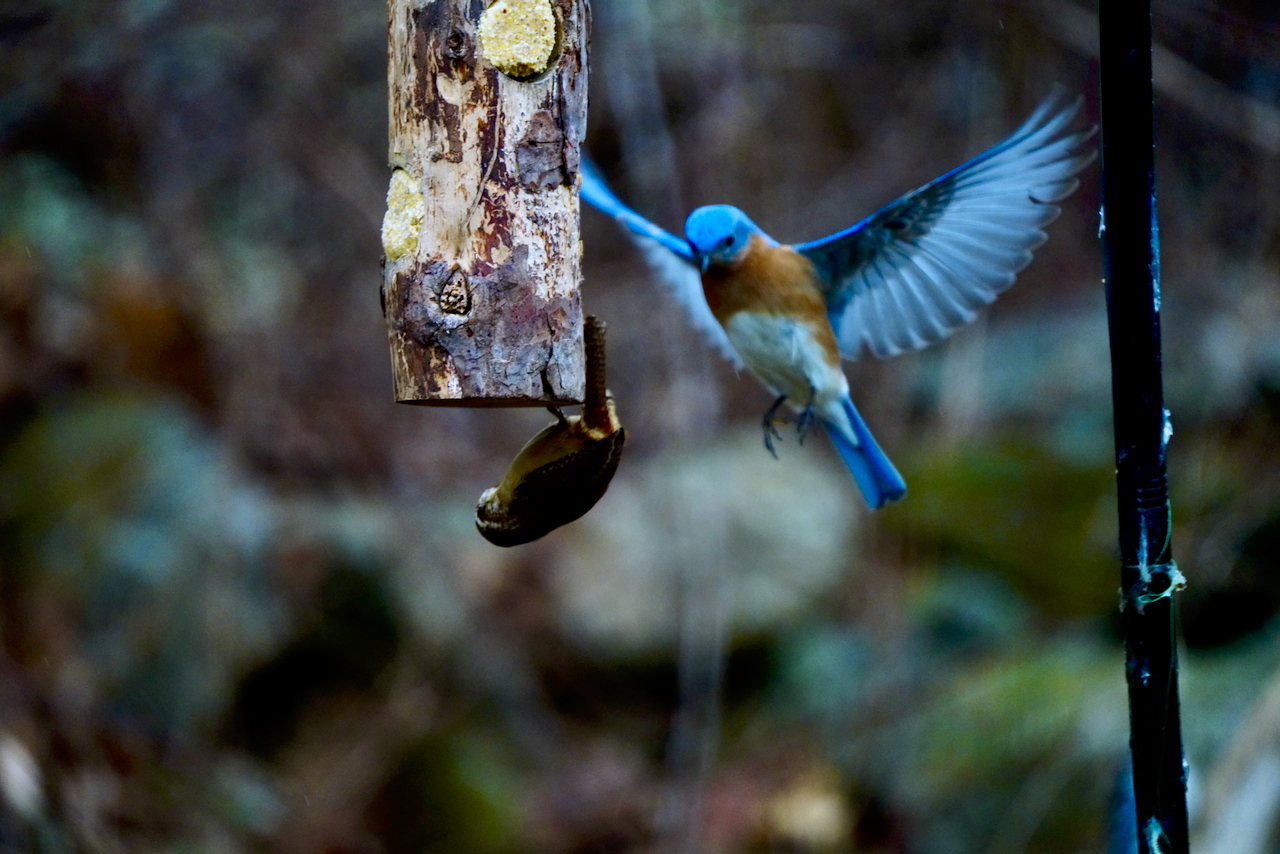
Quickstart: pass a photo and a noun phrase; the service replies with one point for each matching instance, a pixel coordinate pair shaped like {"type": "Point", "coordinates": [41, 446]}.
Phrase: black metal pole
{"type": "Point", "coordinates": [1148, 574]}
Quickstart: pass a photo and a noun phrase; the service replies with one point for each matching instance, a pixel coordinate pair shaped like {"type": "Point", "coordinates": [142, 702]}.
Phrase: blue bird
{"type": "Point", "coordinates": [903, 278]}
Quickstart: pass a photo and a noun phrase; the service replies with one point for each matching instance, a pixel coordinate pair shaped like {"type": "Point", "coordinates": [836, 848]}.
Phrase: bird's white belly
{"type": "Point", "coordinates": [786, 357]}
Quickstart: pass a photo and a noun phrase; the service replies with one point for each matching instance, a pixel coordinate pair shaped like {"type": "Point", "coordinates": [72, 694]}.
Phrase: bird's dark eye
{"type": "Point", "coordinates": [727, 242]}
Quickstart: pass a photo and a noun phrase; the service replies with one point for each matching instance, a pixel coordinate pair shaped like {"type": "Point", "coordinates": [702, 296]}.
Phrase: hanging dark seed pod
{"type": "Point", "coordinates": [564, 470]}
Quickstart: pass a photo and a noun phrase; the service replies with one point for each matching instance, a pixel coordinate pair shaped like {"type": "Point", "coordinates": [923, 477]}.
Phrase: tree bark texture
{"type": "Point", "coordinates": [481, 290]}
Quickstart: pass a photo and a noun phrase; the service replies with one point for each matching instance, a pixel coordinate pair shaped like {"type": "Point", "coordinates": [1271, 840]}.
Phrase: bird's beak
{"type": "Point", "coordinates": [699, 258]}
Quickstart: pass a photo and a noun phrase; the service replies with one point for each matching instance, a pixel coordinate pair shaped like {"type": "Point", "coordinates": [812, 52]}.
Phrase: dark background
{"type": "Point", "coordinates": [242, 603]}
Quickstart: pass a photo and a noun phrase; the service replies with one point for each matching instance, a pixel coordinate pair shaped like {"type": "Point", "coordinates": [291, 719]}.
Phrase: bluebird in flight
{"type": "Point", "coordinates": [903, 278]}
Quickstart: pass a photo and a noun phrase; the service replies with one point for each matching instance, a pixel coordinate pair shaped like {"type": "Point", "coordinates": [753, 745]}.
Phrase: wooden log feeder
{"type": "Point", "coordinates": [480, 289]}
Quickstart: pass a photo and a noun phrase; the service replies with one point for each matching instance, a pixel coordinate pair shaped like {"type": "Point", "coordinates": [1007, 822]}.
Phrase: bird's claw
{"type": "Point", "coordinates": [805, 423]}
{"type": "Point", "coordinates": [770, 431]}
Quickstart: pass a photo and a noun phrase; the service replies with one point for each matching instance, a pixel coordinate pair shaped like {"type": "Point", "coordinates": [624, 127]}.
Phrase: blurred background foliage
{"type": "Point", "coordinates": [242, 604]}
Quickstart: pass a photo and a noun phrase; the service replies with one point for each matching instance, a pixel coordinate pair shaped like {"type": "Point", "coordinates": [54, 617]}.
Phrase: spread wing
{"type": "Point", "coordinates": [669, 256]}
{"type": "Point", "coordinates": [916, 269]}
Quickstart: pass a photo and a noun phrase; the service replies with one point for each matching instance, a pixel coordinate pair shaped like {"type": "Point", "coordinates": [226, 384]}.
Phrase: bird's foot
{"type": "Point", "coordinates": [806, 417]}
{"type": "Point", "coordinates": [770, 431]}
{"type": "Point", "coordinates": [805, 423]}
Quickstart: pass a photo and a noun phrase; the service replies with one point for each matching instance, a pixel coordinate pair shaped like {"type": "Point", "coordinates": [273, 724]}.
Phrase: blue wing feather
{"type": "Point", "coordinates": [669, 256]}
{"type": "Point", "coordinates": [597, 194]}
{"type": "Point", "coordinates": [913, 271]}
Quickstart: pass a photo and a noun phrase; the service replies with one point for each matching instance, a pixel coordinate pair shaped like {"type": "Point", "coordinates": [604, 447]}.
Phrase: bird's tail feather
{"type": "Point", "coordinates": [877, 478]}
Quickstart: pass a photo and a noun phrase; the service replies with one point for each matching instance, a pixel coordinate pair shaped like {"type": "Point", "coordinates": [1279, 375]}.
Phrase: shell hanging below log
{"type": "Point", "coordinates": [563, 471]}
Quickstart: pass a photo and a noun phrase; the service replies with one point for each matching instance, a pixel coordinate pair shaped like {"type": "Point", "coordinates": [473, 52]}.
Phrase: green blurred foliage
{"type": "Point", "coordinates": [1043, 521]}
{"type": "Point", "coordinates": [451, 792]}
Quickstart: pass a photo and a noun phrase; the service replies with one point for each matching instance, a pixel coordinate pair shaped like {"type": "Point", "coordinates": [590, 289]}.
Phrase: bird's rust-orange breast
{"type": "Point", "coordinates": [769, 280]}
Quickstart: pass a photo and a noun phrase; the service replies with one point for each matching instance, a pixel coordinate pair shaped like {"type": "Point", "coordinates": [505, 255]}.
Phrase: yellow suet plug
{"type": "Point", "coordinates": [403, 221]}
{"type": "Point", "coordinates": [518, 36]}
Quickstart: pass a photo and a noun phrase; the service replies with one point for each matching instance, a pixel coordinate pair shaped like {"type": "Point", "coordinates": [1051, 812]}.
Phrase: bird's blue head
{"type": "Point", "coordinates": [718, 234]}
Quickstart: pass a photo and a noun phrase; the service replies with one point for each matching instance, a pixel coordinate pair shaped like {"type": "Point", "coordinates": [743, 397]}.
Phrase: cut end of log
{"type": "Point", "coordinates": [518, 36]}
{"type": "Point", "coordinates": [403, 220]}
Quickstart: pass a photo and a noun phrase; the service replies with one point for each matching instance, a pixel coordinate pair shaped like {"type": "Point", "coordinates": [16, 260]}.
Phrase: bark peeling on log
{"type": "Point", "coordinates": [487, 310]}
{"type": "Point", "coordinates": [540, 155]}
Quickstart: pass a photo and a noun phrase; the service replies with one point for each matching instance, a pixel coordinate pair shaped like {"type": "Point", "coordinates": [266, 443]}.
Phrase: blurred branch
{"type": "Point", "coordinates": [695, 734]}
{"type": "Point", "coordinates": [1241, 115]}
{"type": "Point", "coordinates": [625, 31]}
{"type": "Point", "coordinates": [349, 173]}
{"type": "Point", "coordinates": [1031, 803]}
{"type": "Point", "coordinates": [1242, 799]}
